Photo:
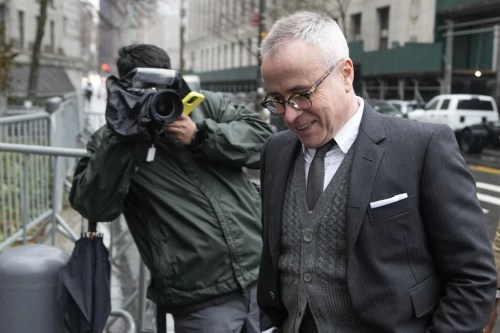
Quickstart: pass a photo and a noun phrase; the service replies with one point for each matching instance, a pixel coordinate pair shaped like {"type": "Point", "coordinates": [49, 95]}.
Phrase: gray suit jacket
{"type": "Point", "coordinates": [421, 264]}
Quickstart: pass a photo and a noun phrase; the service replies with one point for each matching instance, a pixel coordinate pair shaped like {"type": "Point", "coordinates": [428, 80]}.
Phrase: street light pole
{"type": "Point", "coordinates": [496, 35]}
{"type": "Point", "coordinates": [448, 59]}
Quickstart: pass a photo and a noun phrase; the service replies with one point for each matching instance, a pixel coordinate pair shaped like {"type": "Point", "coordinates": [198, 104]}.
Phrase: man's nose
{"type": "Point", "coordinates": [291, 113]}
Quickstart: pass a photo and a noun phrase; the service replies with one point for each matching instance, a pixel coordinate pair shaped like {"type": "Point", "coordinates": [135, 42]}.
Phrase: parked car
{"type": "Point", "coordinates": [474, 118]}
{"type": "Point", "coordinates": [384, 107]}
{"type": "Point", "coordinates": [405, 106]}
{"type": "Point", "coordinates": [479, 136]}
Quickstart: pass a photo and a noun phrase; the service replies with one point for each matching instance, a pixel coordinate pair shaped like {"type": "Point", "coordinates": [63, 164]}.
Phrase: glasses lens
{"type": "Point", "coordinates": [300, 102]}
{"type": "Point", "coordinates": [274, 106]}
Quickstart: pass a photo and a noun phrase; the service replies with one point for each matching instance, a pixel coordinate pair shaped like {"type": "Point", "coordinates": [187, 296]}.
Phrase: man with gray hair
{"type": "Point", "coordinates": [371, 223]}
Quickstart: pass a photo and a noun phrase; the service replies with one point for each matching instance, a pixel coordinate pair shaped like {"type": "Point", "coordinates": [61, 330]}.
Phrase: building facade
{"type": "Point", "coordinates": [419, 48]}
{"type": "Point", "coordinates": [412, 49]}
{"type": "Point", "coordinates": [137, 22]}
{"type": "Point", "coordinates": [221, 43]}
{"type": "Point", "coordinates": [63, 58]}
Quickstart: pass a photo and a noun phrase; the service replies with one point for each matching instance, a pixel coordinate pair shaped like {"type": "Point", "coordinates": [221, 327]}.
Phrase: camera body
{"type": "Point", "coordinates": [143, 99]}
{"type": "Point", "coordinates": [161, 87]}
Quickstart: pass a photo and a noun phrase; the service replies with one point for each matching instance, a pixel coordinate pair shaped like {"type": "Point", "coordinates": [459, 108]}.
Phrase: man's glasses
{"type": "Point", "coordinates": [300, 101]}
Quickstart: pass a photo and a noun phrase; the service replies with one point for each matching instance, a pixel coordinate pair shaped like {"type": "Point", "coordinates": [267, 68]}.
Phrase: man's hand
{"type": "Point", "coordinates": [493, 318]}
{"type": "Point", "coordinates": [182, 130]}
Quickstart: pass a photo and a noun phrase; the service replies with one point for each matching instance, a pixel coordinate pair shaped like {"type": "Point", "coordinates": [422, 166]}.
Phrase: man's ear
{"type": "Point", "coordinates": [347, 73]}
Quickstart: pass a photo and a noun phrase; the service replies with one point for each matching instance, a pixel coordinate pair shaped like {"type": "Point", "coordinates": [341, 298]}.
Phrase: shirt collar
{"type": "Point", "coordinates": [349, 132]}
{"type": "Point", "coordinates": [346, 136]}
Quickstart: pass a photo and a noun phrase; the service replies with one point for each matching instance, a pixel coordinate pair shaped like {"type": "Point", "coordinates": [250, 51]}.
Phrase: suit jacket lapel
{"type": "Point", "coordinates": [366, 161]}
{"type": "Point", "coordinates": [278, 177]}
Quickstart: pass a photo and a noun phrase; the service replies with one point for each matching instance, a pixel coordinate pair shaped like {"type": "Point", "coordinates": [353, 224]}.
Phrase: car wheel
{"type": "Point", "coordinates": [469, 143]}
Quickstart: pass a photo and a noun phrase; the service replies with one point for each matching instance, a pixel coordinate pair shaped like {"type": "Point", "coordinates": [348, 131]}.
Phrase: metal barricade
{"type": "Point", "coordinates": [38, 152]}
{"type": "Point", "coordinates": [29, 175]}
{"type": "Point", "coordinates": [57, 222]}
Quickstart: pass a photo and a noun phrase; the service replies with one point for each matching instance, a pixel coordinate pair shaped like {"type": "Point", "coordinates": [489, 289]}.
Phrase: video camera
{"type": "Point", "coordinates": [144, 97]}
{"type": "Point", "coordinates": [161, 86]}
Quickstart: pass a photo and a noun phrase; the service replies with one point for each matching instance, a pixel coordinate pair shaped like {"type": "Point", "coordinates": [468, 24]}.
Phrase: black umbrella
{"type": "Point", "coordinates": [84, 292]}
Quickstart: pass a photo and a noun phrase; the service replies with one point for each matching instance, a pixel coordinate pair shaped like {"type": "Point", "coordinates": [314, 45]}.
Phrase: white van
{"type": "Point", "coordinates": [457, 110]}
{"type": "Point", "coordinates": [474, 118]}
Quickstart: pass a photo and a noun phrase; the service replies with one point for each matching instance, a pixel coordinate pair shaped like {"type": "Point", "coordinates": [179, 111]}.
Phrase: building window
{"type": "Point", "coordinates": [219, 58]}
{"type": "Point", "coordinates": [65, 24]}
{"type": "Point", "coordinates": [226, 58]}
{"type": "Point", "coordinates": [193, 59]}
{"type": "Point", "coordinates": [52, 32]}
{"type": "Point", "coordinates": [243, 15]}
{"type": "Point", "coordinates": [249, 51]}
{"type": "Point", "coordinates": [214, 59]}
{"type": "Point", "coordinates": [206, 60]}
{"type": "Point", "coordinates": [49, 2]}
{"type": "Point", "coordinates": [356, 27]}
{"type": "Point", "coordinates": [2, 15]}
{"type": "Point", "coordinates": [383, 21]}
{"type": "Point", "coordinates": [233, 56]}
{"type": "Point", "coordinates": [203, 61]}
{"type": "Point", "coordinates": [241, 50]}
{"type": "Point", "coordinates": [20, 19]}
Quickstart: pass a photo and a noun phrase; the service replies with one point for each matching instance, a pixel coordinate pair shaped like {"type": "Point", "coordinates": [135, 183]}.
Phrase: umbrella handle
{"type": "Point", "coordinates": [92, 226]}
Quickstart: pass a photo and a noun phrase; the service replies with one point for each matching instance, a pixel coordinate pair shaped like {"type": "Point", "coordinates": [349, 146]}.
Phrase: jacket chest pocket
{"type": "Point", "coordinates": [391, 211]}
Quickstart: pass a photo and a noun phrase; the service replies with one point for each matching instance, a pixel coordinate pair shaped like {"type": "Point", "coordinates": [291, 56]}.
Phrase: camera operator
{"type": "Point", "coordinates": [191, 209]}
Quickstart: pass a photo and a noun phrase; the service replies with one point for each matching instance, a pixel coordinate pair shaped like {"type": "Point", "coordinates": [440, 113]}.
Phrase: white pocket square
{"type": "Point", "coordinates": [271, 330]}
{"type": "Point", "coordinates": [384, 202]}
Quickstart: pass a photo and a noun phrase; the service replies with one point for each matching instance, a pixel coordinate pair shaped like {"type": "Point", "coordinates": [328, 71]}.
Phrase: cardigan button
{"type": "Point", "coordinates": [272, 295]}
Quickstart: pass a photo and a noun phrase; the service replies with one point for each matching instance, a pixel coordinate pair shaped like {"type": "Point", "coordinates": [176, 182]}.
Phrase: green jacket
{"type": "Point", "coordinates": [193, 212]}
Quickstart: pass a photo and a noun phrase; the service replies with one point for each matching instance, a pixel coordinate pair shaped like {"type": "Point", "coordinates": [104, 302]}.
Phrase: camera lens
{"type": "Point", "coordinates": [164, 106]}
{"type": "Point", "coordinates": [167, 106]}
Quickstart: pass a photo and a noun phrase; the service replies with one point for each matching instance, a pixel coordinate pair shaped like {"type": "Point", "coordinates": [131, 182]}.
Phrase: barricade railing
{"type": "Point", "coordinates": [36, 207]}
{"type": "Point", "coordinates": [38, 150]}
{"type": "Point", "coordinates": [127, 317]}
{"type": "Point", "coordinates": [16, 215]}
{"type": "Point", "coordinates": [52, 218]}
{"type": "Point", "coordinates": [58, 126]}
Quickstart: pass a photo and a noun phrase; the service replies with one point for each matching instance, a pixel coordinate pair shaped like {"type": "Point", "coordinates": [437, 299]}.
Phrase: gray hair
{"type": "Point", "coordinates": [315, 28]}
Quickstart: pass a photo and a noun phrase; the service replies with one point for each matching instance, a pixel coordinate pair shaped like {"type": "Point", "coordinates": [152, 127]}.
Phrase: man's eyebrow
{"type": "Point", "coordinates": [296, 89]}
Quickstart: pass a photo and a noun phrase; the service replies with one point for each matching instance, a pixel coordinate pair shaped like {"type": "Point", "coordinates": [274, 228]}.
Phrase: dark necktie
{"type": "Point", "coordinates": [316, 175]}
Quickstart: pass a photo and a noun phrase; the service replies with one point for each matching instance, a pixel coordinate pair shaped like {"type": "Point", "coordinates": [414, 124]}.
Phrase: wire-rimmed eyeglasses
{"type": "Point", "coordinates": [299, 101]}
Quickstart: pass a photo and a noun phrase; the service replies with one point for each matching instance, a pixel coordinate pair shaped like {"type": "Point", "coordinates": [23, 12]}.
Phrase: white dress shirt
{"type": "Point", "coordinates": [345, 138]}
